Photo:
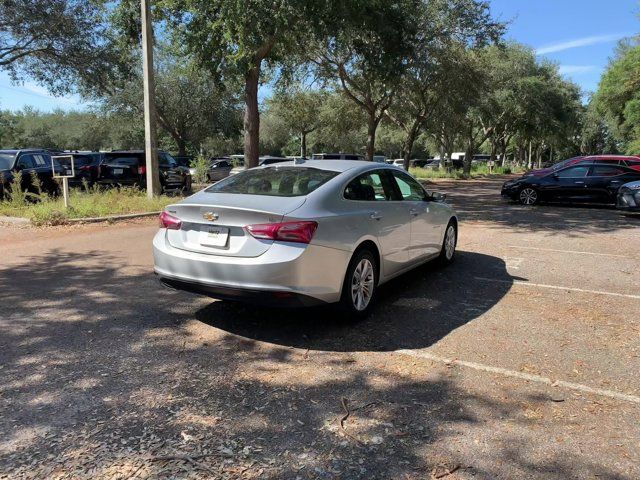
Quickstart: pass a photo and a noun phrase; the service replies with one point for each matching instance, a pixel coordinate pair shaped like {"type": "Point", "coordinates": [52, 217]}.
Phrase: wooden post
{"type": "Point", "coordinates": [65, 191]}
{"type": "Point", "coordinates": [150, 137]}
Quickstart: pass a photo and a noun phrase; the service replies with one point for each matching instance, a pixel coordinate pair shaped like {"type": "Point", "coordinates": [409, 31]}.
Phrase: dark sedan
{"type": "Point", "coordinates": [28, 162]}
{"type": "Point", "coordinates": [577, 183]}
{"type": "Point", "coordinates": [629, 197]}
{"type": "Point", "coordinates": [128, 168]}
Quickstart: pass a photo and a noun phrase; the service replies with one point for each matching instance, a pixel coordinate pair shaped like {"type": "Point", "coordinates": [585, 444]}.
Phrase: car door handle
{"type": "Point", "coordinates": [614, 181]}
{"type": "Point", "coordinates": [375, 216]}
{"type": "Point", "coordinates": [580, 183]}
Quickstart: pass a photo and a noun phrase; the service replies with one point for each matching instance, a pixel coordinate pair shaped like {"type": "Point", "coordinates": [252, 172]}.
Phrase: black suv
{"type": "Point", "coordinates": [28, 162]}
{"type": "Point", "coordinates": [128, 167]}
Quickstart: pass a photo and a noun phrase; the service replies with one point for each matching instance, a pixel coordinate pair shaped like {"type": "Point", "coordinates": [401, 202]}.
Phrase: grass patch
{"type": "Point", "coordinates": [84, 204]}
{"type": "Point", "coordinates": [476, 171]}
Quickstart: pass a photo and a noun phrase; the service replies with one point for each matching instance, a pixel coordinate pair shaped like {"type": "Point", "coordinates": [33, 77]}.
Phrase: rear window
{"type": "Point", "coordinates": [6, 160]}
{"type": "Point", "coordinates": [122, 160]}
{"type": "Point", "coordinates": [274, 181]}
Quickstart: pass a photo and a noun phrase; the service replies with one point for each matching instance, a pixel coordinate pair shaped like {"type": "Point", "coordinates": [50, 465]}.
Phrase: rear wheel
{"type": "Point", "coordinates": [528, 196]}
{"type": "Point", "coordinates": [359, 289]}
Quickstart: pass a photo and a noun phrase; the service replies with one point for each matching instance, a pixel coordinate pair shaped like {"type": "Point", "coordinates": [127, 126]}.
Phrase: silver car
{"type": "Point", "coordinates": [303, 233]}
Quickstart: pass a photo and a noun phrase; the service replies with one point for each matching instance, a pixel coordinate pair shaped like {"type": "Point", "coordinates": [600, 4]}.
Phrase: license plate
{"type": "Point", "coordinates": [214, 236]}
{"type": "Point", "coordinates": [117, 171]}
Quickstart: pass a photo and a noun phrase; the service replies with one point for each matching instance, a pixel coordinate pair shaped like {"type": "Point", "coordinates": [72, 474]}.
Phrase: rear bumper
{"type": "Point", "coordinates": [287, 273]}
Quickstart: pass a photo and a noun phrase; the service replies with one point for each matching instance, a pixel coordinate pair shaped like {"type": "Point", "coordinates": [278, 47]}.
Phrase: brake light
{"type": "Point", "coordinates": [169, 222]}
{"type": "Point", "coordinates": [85, 168]}
{"type": "Point", "coordinates": [142, 170]}
{"type": "Point", "coordinates": [298, 232]}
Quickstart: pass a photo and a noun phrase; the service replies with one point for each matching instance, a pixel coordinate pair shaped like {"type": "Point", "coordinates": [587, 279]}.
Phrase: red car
{"type": "Point", "coordinates": [630, 161]}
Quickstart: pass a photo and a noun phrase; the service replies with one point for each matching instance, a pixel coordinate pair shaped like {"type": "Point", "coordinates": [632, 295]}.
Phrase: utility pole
{"type": "Point", "coordinates": [150, 137]}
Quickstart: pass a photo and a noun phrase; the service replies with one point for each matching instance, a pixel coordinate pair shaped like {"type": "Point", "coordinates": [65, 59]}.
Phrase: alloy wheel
{"type": "Point", "coordinates": [362, 284]}
{"type": "Point", "coordinates": [528, 196]}
{"type": "Point", "coordinates": [450, 242]}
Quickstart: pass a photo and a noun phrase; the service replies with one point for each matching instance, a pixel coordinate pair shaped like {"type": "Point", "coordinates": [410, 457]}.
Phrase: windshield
{"type": "Point", "coordinates": [6, 160]}
{"type": "Point", "coordinates": [274, 181]}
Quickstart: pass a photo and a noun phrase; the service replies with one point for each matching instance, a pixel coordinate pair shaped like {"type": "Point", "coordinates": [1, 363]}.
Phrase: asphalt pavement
{"type": "Point", "coordinates": [520, 360]}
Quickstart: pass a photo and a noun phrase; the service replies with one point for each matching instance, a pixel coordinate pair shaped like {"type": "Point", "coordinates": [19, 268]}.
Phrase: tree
{"type": "Point", "coordinates": [366, 53]}
{"type": "Point", "coordinates": [618, 97]}
{"type": "Point", "coordinates": [298, 110]}
{"type": "Point", "coordinates": [444, 28]}
{"type": "Point", "coordinates": [190, 104]}
{"type": "Point", "coordinates": [240, 36]}
{"type": "Point", "coordinates": [61, 44]}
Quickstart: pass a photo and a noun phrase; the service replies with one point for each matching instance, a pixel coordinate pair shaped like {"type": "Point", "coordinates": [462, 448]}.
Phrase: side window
{"type": "Point", "coordinates": [26, 161]}
{"type": "Point", "coordinates": [370, 186]}
{"type": "Point", "coordinates": [606, 171]}
{"type": "Point", "coordinates": [573, 172]}
{"type": "Point", "coordinates": [39, 161]}
{"type": "Point", "coordinates": [410, 189]}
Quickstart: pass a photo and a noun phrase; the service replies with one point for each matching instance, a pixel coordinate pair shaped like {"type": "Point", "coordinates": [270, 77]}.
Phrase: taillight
{"type": "Point", "coordinates": [85, 168]}
{"type": "Point", "coordinates": [142, 170]}
{"type": "Point", "coordinates": [298, 232]}
{"type": "Point", "coordinates": [169, 222]}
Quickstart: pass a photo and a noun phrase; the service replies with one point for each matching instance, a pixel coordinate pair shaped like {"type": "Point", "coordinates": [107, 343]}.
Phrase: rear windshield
{"type": "Point", "coordinates": [122, 160]}
{"type": "Point", "coordinates": [274, 181]}
{"type": "Point", "coordinates": [6, 160]}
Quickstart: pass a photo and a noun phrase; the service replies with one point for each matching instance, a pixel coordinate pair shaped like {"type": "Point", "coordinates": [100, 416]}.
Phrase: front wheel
{"type": "Point", "coordinates": [359, 289]}
{"type": "Point", "coordinates": [448, 249]}
{"type": "Point", "coordinates": [528, 196]}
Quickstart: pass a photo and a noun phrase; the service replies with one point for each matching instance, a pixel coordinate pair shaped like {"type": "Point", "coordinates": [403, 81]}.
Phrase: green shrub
{"type": "Point", "coordinates": [201, 165]}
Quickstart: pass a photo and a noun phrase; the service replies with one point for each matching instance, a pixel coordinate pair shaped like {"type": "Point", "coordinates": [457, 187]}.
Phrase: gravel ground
{"type": "Point", "coordinates": [458, 373]}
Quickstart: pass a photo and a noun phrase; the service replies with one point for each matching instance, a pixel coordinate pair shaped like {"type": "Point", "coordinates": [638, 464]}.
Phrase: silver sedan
{"type": "Point", "coordinates": [303, 233]}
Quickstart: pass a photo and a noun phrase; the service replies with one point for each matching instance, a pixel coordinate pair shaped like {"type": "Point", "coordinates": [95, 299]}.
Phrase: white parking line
{"type": "Point", "coordinates": [558, 287]}
{"type": "Point", "coordinates": [522, 376]}
{"type": "Point", "coordinates": [569, 251]}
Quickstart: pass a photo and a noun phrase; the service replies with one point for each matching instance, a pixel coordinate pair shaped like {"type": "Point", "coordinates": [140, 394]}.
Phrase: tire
{"type": "Point", "coordinates": [358, 295]}
{"type": "Point", "coordinates": [528, 196]}
{"type": "Point", "coordinates": [449, 242]}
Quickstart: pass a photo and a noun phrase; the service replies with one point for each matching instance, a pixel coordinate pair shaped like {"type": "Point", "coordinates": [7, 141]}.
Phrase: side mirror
{"type": "Point", "coordinates": [438, 197]}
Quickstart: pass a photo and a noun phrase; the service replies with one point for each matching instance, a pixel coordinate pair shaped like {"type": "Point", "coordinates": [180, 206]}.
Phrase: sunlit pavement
{"type": "Point", "coordinates": [518, 361]}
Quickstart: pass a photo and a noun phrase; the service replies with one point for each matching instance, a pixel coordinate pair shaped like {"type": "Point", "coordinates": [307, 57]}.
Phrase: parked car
{"type": "Point", "coordinates": [183, 160]}
{"type": "Point", "coordinates": [580, 182]}
{"type": "Point", "coordinates": [303, 234]}
{"type": "Point", "coordinates": [128, 168]}
{"type": "Point", "coordinates": [337, 156]}
{"type": "Point", "coordinates": [429, 163]}
{"type": "Point", "coordinates": [86, 166]}
{"type": "Point", "coordinates": [629, 197]}
{"type": "Point", "coordinates": [264, 160]}
{"type": "Point", "coordinates": [380, 158]}
{"type": "Point", "coordinates": [28, 162]}
{"type": "Point", "coordinates": [398, 162]}
{"type": "Point", "coordinates": [630, 161]}
{"type": "Point", "coordinates": [220, 168]}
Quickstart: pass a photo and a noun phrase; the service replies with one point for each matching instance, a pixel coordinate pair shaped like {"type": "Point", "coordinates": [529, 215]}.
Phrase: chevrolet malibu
{"type": "Point", "coordinates": [303, 233]}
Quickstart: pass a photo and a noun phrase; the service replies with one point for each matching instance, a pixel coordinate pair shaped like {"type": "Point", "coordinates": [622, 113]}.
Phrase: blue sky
{"type": "Point", "coordinates": [580, 35]}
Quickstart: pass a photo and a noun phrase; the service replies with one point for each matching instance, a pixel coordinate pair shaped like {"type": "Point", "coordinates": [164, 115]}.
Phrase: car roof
{"type": "Point", "coordinates": [334, 165]}
{"type": "Point", "coordinates": [14, 151]}
{"type": "Point", "coordinates": [613, 157]}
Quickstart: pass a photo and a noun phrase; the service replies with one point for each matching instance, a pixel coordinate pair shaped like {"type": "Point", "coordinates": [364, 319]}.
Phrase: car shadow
{"type": "Point", "coordinates": [413, 311]}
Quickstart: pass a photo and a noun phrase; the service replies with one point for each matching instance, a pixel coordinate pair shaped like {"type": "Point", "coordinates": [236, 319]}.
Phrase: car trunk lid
{"type": "Point", "coordinates": [213, 223]}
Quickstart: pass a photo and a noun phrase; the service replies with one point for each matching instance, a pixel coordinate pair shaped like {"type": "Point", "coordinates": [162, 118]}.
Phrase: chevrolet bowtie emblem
{"type": "Point", "coordinates": [211, 216]}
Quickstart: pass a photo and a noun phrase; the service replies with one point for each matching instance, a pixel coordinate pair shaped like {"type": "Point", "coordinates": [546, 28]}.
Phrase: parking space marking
{"type": "Point", "coordinates": [522, 376]}
{"type": "Point", "coordinates": [558, 287]}
{"type": "Point", "coordinates": [569, 251]}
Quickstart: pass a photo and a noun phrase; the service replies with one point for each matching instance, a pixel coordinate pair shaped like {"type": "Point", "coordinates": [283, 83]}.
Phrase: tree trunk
{"type": "Point", "coordinates": [251, 118]}
{"type": "Point", "coordinates": [303, 144]}
{"type": "Point", "coordinates": [407, 147]}
{"type": "Point", "coordinates": [468, 155]}
{"type": "Point", "coordinates": [182, 147]}
{"type": "Point", "coordinates": [372, 126]}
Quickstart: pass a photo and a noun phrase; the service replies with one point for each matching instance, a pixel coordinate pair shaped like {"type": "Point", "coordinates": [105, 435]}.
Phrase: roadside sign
{"type": "Point", "coordinates": [68, 171]}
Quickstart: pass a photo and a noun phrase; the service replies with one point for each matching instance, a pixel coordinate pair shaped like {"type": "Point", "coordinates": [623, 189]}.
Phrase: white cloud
{"type": "Point", "coordinates": [577, 69]}
{"type": "Point", "coordinates": [580, 42]}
